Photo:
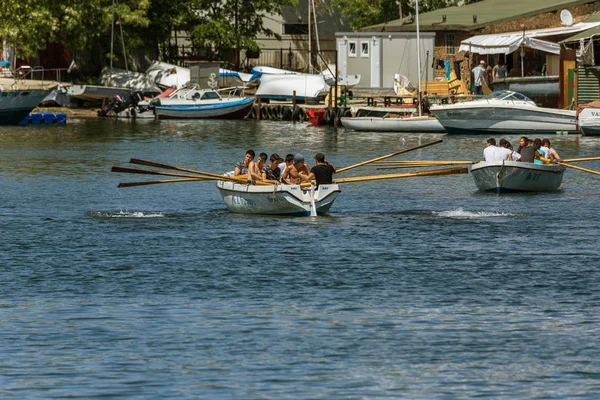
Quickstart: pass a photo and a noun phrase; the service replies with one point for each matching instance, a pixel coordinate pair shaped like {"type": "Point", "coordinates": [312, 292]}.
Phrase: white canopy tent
{"type": "Point", "coordinates": [506, 43]}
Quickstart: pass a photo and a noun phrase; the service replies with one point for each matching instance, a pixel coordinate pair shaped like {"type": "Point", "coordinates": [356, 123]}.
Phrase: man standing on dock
{"type": "Point", "coordinates": [479, 73]}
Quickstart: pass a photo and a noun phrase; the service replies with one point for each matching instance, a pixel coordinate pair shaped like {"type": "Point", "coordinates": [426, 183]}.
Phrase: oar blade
{"type": "Point", "coordinates": [132, 184]}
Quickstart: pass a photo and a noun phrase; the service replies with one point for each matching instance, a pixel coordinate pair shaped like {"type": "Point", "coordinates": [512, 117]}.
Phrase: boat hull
{"type": "Point", "coordinates": [589, 121]}
{"type": "Point", "coordinates": [276, 200]}
{"type": "Point", "coordinates": [514, 176]}
{"type": "Point", "coordinates": [505, 119]}
{"type": "Point", "coordinates": [282, 87]}
{"type": "Point", "coordinates": [380, 124]}
{"type": "Point", "coordinates": [17, 104]}
{"type": "Point", "coordinates": [223, 109]}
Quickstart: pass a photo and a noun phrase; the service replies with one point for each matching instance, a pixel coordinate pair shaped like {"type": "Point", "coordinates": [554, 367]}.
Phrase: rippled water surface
{"type": "Point", "coordinates": [412, 288]}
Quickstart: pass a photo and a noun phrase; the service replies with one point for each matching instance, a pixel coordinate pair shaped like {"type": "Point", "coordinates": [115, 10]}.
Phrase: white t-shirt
{"type": "Point", "coordinates": [516, 156]}
{"type": "Point", "coordinates": [488, 153]}
{"type": "Point", "coordinates": [546, 151]}
{"type": "Point", "coordinates": [281, 167]}
{"type": "Point", "coordinates": [501, 153]}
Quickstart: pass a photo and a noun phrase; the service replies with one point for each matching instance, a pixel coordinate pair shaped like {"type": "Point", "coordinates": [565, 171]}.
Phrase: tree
{"type": "Point", "coordinates": [231, 24]}
{"type": "Point", "coordinates": [364, 13]}
{"type": "Point", "coordinates": [29, 25]}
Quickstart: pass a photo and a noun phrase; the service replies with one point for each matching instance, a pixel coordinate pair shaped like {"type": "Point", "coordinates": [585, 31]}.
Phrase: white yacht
{"type": "Point", "coordinates": [504, 112]}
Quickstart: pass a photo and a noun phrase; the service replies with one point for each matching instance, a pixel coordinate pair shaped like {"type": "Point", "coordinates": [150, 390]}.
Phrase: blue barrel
{"type": "Point", "coordinates": [36, 118]}
{"type": "Point", "coordinates": [61, 118]}
{"type": "Point", "coordinates": [48, 118]}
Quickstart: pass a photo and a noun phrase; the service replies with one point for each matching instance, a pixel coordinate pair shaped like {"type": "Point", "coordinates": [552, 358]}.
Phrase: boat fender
{"type": "Point", "coordinates": [279, 112]}
{"type": "Point", "coordinates": [302, 115]}
{"type": "Point", "coordinates": [329, 116]}
{"type": "Point", "coordinates": [264, 113]}
{"type": "Point", "coordinates": [287, 113]}
{"type": "Point", "coordinates": [295, 113]}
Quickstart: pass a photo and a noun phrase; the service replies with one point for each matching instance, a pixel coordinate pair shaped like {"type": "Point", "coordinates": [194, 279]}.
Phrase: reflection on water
{"type": "Point", "coordinates": [410, 288]}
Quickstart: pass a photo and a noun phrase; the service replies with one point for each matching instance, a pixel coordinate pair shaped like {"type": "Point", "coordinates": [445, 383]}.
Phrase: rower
{"type": "Point", "coordinates": [241, 168]}
{"type": "Point", "coordinates": [323, 171]}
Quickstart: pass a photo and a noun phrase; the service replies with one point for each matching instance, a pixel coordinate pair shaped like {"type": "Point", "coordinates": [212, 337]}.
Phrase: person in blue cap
{"type": "Point", "coordinates": [298, 173]}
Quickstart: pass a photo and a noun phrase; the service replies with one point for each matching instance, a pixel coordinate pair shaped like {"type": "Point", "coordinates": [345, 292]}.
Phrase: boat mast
{"type": "Point", "coordinates": [309, 40]}
{"type": "Point", "coordinates": [112, 34]}
{"type": "Point", "coordinates": [418, 58]}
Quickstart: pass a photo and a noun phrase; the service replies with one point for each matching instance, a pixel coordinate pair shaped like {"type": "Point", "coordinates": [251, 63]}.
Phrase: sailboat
{"type": "Point", "coordinates": [415, 123]}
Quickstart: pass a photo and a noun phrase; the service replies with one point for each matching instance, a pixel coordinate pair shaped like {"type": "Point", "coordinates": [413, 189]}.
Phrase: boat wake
{"type": "Point", "coordinates": [464, 214]}
{"type": "Point", "coordinates": [124, 214]}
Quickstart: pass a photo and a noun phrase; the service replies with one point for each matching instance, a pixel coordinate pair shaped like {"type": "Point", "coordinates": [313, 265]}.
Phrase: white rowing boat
{"type": "Point", "coordinates": [277, 199]}
{"type": "Point", "coordinates": [515, 176]}
{"type": "Point", "coordinates": [422, 124]}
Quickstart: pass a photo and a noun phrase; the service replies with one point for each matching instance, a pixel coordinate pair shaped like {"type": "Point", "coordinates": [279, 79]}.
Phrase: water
{"type": "Point", "coordinates": [413, 288]}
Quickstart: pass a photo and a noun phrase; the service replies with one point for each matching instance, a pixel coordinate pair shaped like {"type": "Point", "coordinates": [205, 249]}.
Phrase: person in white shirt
{"type": "Point", "coordinates": [503, 152]}
{"type": "Point", "coordinates": [490, 149]}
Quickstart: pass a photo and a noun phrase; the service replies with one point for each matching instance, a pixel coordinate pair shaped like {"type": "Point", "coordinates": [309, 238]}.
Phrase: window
{"type": "Point", "coordinates": [450, 43]}
{"type": "Point", "coordinates": [364, 49]}
{"type": "Point", "coordinates": [351, 49]}
{"type": "Point", "coordinates": [295, 29]}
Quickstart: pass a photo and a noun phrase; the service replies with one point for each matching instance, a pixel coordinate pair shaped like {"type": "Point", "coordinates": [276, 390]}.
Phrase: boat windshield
{"type": "Point", "coordinates": [506, 95]}
{"type": "Point", "coordinates": [210, 96]}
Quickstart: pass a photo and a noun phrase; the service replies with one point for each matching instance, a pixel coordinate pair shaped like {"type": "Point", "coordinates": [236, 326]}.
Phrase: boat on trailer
{"type": "Point", "coordinates": [515, 176]}
{"type": "Point", "coordinates": [292, 200]}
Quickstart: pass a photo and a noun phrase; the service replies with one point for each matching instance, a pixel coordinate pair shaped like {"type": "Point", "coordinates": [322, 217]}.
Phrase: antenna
{"type": "Point", "coordinates": [566, 18]}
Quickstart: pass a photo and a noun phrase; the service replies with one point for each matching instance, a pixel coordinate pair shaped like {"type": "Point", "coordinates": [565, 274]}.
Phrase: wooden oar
{"type": "Point", "coordinates": [130, 184]}
{"type": "Point", "coordinates": [581, 159]}
{"type": "Point", "coordinates": [149, 172]}
{"type": "Point", "coordinates": [432, 162]}
{"type": "Point", "coordinates": [411, 166]}
{"type": "Point", "coordinates": [591, 171]}
{"type": "Point", "coordinates": [239, 178]}
{"type": "Point", "coordinates": [387, 156]}
{"type": "Point", "coordinates": [435, 172]}
{"type": "Point", "coordinates": [165, 166]}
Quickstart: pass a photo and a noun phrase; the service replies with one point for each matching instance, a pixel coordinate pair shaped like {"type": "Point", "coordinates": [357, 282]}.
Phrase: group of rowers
{"type": "Point", "coordinates": [289, 171]}
{"type": "Point", "coordinates": [529, 150]}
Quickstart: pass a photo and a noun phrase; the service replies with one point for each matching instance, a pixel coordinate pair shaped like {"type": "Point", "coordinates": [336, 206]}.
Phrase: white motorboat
{"type": "Point", "coordinates": [19, 97]}
{"type": "Point", "coordinates": [588, 118]}
{"type": "Point", "coordinates": [422, 124]}
{"type": "Point", "coordinates": [515, 176]}
{"type": "Point", "coordinates": [135, 81]}
{"type": "Point", "coordinates": [168, 75]}
{"type": "Point", "coordinates": [277, 199]}
{"type": "Point", "coordinates": [242, 76]}
{"type": "Point", "coordinates": [504, 112]}
{"type": "Point", "coordinates": [282, 87]}
{"type": "Point", "coordinates": [348, 80]}
{"type": "Point", "coordinates": [197, 103]}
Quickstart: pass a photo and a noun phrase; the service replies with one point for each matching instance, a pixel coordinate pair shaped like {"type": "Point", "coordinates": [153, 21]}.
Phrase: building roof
{"type": "Point", "coordinates": [477, 15]}
{"type": "Point", "coordinates": [595, 31]}
{"type": "Point", "coordinates": [506, 43]}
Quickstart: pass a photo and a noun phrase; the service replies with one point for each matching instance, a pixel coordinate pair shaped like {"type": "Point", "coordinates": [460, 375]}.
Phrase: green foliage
{"type": "Point", "coordinates": [77, 24]}
{"type": "Point", "coordinates": [221, 25]}
{"type": "Point", "coordinates": [363, 13]}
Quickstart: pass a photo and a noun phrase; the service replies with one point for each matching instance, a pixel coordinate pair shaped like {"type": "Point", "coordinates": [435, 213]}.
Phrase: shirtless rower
{"type": "Point", "coordinates": [298, 172]}
{"type": "Point", "coordinates": [257, 171]}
